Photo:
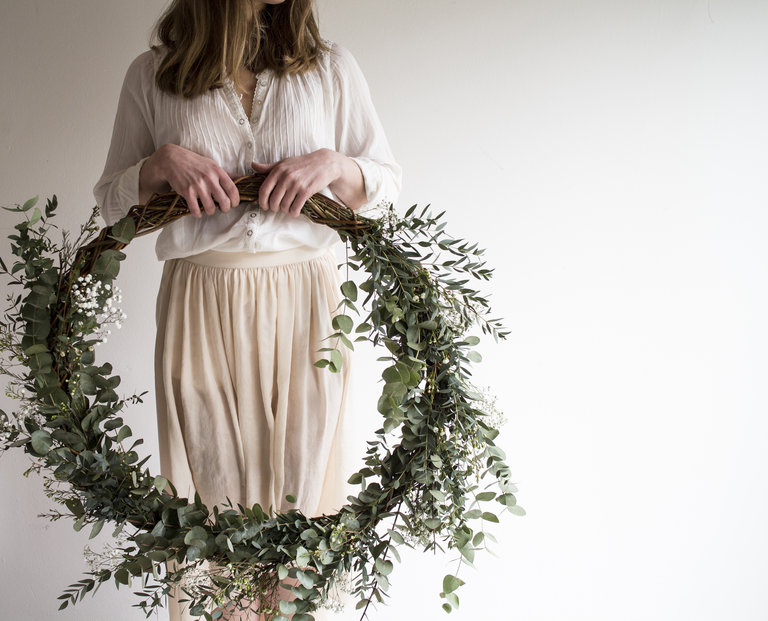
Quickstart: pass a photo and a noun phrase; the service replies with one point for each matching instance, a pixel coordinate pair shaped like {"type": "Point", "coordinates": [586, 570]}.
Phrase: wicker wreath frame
{"type": "Point", "coordinates": [426, 394]}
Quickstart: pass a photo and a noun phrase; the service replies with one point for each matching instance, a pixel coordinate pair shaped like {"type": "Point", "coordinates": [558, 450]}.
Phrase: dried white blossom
{"type": "Point", "coordinates": [485, 401]}
{"type": "Point", "coordinates": [335, 598]}
{"type": "Point", "coordinates": [197, 579]}
{"type": "Point", "coordinates": [94, 299]}
{"type": "Point", "coordinates": [110, 556]}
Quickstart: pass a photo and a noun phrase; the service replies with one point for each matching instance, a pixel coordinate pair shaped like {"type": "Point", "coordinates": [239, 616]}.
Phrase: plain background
{"type": "Point", "coordinates": [611, 155]}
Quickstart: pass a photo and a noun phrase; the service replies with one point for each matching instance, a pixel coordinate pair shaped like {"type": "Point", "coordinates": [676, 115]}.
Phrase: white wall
{"type": "Point", "coordinates": [611, 157]}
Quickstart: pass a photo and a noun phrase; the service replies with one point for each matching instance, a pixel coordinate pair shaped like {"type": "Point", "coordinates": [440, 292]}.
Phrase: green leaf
{"type": "Point", "coordinates": [35, 217]}
{"type": "Point", "coordinates": [349, 289]}
{"type": "Point", "coordinates": [124, 230]}
{"type": "Point", "coordinates": [306, 578]}
{"type": "Point", "coordinates": [390, 424]}
{"type": "Point", "coordinates": [474, 356]}
{"type": "Point", "coordinates": [96, 529]}
{"type": "Point", "coordinates": [197, 537]}
{"type": "Point", "coordinates": [282, 572]}
{"type": "Point", "coordinates": [396, 537]}
{"type": "Point", "coordinates": [508, 500]}
{"type": "Point", "coordinates": [367, 286]}
{"type": "Point", "coordinates": [86, 384]}
{"type": "Point", "coordinates": [287, 608]}
{"type": "Point", "coordinates": [113, 423]}
{"type": "Point", "coordinates": [79, 523]}
{"type": "Point", "coordinates": [451, 583]}
{"type": "Point", "coordinates": [362, 603]}
{"type": "Point", "coordinates": [486, 496]}
{"type": "Point", "coordinates": [336, 360]}
{"type": "Point", "coordinates": [384, 567]}
{"type": "Point", "coordinates": [302, 556]}
{"type": "Point", "coordinates": [437, 495]}
{"type": "Point", "coordinates": [29, 203]}
{"type": "Point", "coordinates": [453, 599]}
{"type": "Point", "coordinates": [516, 510]}
{"type": "Point", "coordinates": [160, 483]}
{"type": "Point", "coordinates": [38, 348]}
{"type": "Point", "coordinates": [122, 576]}
{"type": "Point", "coordinates": [125, 432]}
{"type": "Point", "coordinates": [108, 264]}
{"type": "Point", "coordinates": [490, 517]}
{"type": "Point", "coordinates": [343, 323]}
{"type": "Point", "coordinates": [347, 343]}
{"type": "Point", "coordinates": [75, 506]}
{"type": "Point", "coordinates": [291, 499]}
{"type": "Point", "coordinates": [41, 442]}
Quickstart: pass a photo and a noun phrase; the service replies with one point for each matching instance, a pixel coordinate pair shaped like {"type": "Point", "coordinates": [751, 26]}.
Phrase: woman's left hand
{"type": "Point", "coordinates": [290, 182]}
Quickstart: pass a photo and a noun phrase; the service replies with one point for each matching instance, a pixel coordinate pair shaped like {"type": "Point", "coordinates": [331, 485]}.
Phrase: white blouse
{"type": "Point", "coordinates": [327, 107]}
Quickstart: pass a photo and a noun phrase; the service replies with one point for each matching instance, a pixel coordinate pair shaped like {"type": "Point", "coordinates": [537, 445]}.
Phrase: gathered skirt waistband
{"type": "Point", "coordinates": [215, 258]}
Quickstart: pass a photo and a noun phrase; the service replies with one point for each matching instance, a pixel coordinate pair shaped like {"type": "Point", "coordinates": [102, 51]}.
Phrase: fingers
{"type": "Point", "coordinates": [286, 189]}
{"type": "Point", "coordinates": [298, 203]}
{"type": "Point", "coordinates": [280, 192]}
{"type": "Point", "coordinates": [278, 198]}
{"type": "Point", "coordinates": [222, 199]}
{"type": "Point", "coordinates": [265, 191]}
{"type": "Point", "coordinates": [209, 206]}
{"type": "Point", "coordinates": [262, 168]}
{"type": "Point", "coordinates": [204, 184]}
{"type": "Point", "coordinates": [211, 192]}
{"type": "Point", "coordinates": [192, 205]}
{"type": "Point", "coordinates": [291, 182]}
{"type": "Point", "coordinates": [231, 190]}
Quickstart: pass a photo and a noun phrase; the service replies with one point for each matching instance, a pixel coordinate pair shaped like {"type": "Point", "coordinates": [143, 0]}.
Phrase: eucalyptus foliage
{"type": "Point", "coordinates": [432, 474]}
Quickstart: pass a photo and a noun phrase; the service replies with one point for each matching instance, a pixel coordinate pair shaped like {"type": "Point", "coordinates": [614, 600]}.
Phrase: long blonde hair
{"type": "Point", "coordinates": [208, 40]}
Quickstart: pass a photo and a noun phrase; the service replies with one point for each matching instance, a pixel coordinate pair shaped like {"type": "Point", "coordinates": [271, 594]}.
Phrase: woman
{"type": "Point", "coordinates": [248, 290]}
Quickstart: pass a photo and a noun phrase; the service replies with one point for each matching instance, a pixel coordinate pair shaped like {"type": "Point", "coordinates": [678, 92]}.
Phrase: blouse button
{"type": "Point", "coordinates": [253, 214]}
{"type": "Point", "coordinates": [249, 233]}
{"type": "Point", "coordinates": [259, 102]}
{"type": "Point", "coordinates": [250, 145]}
{"type": "Point", "coordinates": [241, 121]}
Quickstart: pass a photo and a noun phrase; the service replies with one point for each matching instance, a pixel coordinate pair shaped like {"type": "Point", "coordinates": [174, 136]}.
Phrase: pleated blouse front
{"type": "Point", "coordinates": [327, 107]}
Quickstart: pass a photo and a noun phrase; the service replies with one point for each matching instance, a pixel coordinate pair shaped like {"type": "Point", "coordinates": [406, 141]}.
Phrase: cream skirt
{"type": "Point", "coordinates": [243, 414]}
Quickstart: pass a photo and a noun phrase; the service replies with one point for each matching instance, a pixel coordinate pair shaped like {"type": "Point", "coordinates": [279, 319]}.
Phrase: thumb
{"type": "Point", "coordinates": [261, 168]}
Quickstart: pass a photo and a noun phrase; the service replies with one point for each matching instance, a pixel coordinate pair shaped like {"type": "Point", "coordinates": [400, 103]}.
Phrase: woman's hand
{"type": "Point", "coordinates": [290, 182]}
{"type": "Point", "coordinates": [193, 176]}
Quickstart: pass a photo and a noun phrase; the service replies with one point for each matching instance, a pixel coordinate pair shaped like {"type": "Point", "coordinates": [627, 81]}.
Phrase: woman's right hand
{"type": "Point", "coordinates": [193, 176]}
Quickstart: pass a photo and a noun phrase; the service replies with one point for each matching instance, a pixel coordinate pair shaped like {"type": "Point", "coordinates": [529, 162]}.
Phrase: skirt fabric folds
{"type": "Point", "coordinates": [244, 416]}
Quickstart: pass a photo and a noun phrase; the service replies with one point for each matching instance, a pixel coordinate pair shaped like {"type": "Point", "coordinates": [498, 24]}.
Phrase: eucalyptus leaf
{"type": "Point", "coordinates": [343, 323]}
{"type": "Point", "coordinates": [451, 583]}
{"type": "Point", "coordinates": [349, 289]}
{"type": "Point", "coordinates": [336, 359]}
{"type": "Point", "coordinates": [124, 230]}
{"type": "Point", "coordinates": [125, 432]}
{"type": "Point", "coordinates": [41, 442]}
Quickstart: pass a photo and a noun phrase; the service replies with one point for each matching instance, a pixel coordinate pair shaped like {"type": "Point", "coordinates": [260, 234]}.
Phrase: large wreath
{"type": "Point", "coordinates": [429, 488]}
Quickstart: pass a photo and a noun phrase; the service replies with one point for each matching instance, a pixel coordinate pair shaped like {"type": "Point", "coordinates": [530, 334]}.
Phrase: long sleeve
{"type": "Point", "coordinates": [132, 142]}
{"type": "Point", "coordinates": [360, 135]}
